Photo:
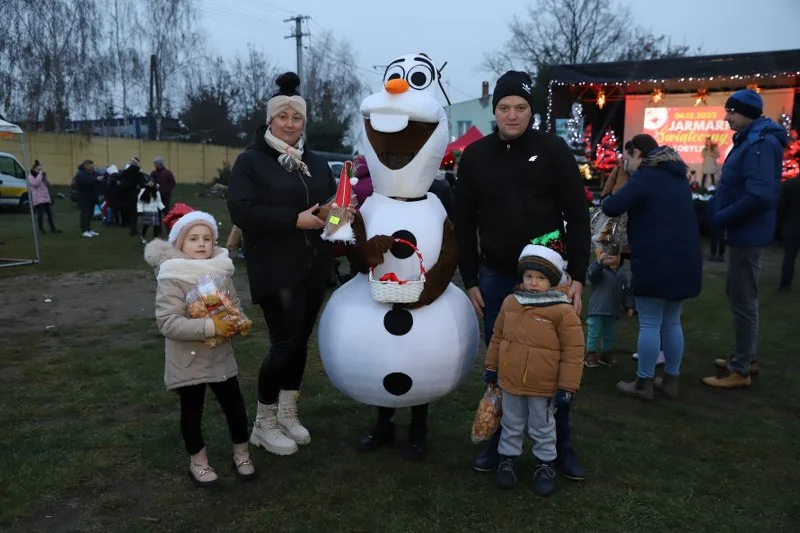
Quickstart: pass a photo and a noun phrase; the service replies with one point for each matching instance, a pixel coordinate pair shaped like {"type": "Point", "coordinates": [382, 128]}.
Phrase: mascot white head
{"type": "Point", "coordinates": [406, 128]}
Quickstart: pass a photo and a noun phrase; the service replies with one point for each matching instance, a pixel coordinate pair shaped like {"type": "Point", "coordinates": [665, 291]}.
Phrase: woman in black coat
{"type": "Point", "coordinates": [666, 256]}
{"type": "Point", "coordinates": [275, 192]}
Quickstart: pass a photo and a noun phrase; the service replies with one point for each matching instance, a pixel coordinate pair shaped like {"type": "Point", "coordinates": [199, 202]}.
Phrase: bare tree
{"type": "Point", "coordinates": [9, 56]}
{"type": "Point", "coordinates": [54, 62]}
{"type": "Point", "coordinates": [125, 52]}
{"type": "Point", "coordinates": [254, 77]}
{"type": "Point", "coordinates": [576, 31]}
{"type": "Point", "coordinates": [333, 91]}
{"type": "Point", "coordinates": [170, 29]}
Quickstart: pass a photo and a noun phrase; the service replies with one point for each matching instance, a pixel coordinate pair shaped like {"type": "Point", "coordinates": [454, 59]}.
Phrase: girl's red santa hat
{"type": "Point", "coordinates": [181, 218]}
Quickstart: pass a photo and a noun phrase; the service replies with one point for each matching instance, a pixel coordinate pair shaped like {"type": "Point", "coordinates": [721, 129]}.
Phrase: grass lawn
{"type": "Point", "coordinates": [91, 439]}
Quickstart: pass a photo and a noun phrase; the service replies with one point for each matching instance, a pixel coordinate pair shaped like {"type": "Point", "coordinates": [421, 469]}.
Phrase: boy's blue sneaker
{"type": "Point", "coordinates": [544, 479]}
{"type": "Point", "coordinates": [507, 472]}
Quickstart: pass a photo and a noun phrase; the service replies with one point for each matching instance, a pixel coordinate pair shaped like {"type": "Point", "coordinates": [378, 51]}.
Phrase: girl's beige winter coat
{"type": "Point", "coordinates": [188, 361]}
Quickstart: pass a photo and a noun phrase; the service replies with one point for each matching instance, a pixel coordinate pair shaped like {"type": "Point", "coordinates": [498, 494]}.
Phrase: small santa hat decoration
{"type": "Point", "coordinates": [344, 192]}
{"type": "Point", "coordinates": [545, 254]}
{"type": "Point", "coordinates": [182, 217]}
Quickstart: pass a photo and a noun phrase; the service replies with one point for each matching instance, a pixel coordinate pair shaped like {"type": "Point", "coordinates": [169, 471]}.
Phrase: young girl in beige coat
{"type": "Point", "coordinates": [190, 364]}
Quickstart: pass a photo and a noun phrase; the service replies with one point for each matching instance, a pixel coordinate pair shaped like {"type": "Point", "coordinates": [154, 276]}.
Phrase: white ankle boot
{"type": "Point", "coordinates": [287, 417]}
{"type": "Point", "coordinates": [267, 432]}
{"type": "Point", "coordinates": [241, 461]}
{"type": "Point", "coordinates": [199, 470]}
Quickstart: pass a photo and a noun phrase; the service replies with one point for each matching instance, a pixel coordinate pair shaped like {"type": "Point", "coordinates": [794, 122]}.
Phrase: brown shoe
{"type": "Point", "coordinates": [723, 364]}
{"type": "Point", "coordinates": [731, 380]}
{"type": "Point", "coordinates": [591, 360]}
{"type": "Point", "coordinates": [667, 385]}
{"type": "Point", "coordinates": [639, 388]}
{"type": "Point", "coordinates": [607, 359]}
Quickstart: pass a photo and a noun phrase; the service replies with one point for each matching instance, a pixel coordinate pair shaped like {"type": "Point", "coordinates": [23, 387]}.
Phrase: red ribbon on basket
{"type": "Point", "coordinates": [391, 276]}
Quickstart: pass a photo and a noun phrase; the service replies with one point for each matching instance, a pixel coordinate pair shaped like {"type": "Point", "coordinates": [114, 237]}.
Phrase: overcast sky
{"type": "Point", "coordinates": [460, 32]}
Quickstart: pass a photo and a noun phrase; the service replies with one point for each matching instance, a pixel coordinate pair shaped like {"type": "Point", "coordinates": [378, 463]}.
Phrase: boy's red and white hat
{"type": "Point", "coordinates": [182, 217]}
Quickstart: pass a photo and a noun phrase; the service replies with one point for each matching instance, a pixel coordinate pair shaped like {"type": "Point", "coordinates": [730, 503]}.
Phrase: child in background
{"type": "Point", "coordinates": [607, 279]}
{"type": "Point", "coordinates": [190, 252]}
{"type": "Point", "coordinates": [540, 365]}
{"type": "Point", "coordinates": [149, 208]}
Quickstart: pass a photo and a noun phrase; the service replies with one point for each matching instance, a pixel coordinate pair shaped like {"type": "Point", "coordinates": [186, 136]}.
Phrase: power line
{"type": "Point", "coordinates": [456, 89]}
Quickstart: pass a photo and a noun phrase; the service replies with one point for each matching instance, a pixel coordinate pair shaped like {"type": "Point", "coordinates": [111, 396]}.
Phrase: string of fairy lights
{"type": "Point", "coordinates": [657, 95]}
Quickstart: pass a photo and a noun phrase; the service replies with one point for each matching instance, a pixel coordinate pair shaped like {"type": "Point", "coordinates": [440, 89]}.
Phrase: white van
{"type": "Point", "coordinates": [13, 183]}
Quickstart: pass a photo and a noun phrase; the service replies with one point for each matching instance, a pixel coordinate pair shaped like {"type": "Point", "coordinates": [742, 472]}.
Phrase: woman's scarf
{"type": "Point", "coordinates": [291, 157]}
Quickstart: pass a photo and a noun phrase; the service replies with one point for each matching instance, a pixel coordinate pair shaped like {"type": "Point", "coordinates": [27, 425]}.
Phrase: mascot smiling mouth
{"type": "Point", "coordinates": [396, 150]}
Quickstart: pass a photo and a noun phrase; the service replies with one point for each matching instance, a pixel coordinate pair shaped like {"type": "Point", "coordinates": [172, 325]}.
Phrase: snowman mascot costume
{"type": "Point", "coordinates": [394, 355]}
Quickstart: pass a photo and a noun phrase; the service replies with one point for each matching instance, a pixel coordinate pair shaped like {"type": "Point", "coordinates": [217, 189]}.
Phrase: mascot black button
{"type": "Point", "coordinates": [398, 322]}
{"type": "Point", "coordinates": [400, 250]}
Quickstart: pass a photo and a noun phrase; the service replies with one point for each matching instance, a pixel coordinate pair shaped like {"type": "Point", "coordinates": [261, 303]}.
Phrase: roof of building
{"type": "Point", "coordinates": [780, 63]}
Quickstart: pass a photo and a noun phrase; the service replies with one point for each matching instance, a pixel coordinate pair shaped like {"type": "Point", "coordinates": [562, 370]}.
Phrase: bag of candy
{"type": "Point", "coordinates": [206, 299]}
{"type": "Point", "coordinates": [487, 417]}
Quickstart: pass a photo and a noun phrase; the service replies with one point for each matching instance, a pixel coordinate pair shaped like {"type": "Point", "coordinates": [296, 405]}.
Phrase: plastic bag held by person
{"type": "Point", "coordinates": [487, 417]}
{"type": "Point", "coordinates": [207, 300]}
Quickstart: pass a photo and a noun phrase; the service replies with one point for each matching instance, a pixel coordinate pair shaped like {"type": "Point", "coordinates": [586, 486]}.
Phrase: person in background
{"type": "Point", "coordinates": [666, 258]}
{"type": "Point", "coordinates": [710, 154]}
{"type": "Point", "coordinates": [87, 183]}
{"type": "Point", "coordinates": [113, 215]}
{"type": "Point", "coordinates": [789, 217]}
{"type": "Point", "coordinates": [746, 214]}
{"type": "Point", "coordinates": [148, 207]}
{"type": "Point", "coordinates": [165, 180]}
{"type": "Point", "coordinates": [234, 242]}
{"type": "Point", "coordinates": [607, 279]}
{"type": "Point", "coordinates": [131, 181]}
{"type": "Point", "coordinates": [40, 197]}
{"type": "Point", "coordinates": [363, 189]}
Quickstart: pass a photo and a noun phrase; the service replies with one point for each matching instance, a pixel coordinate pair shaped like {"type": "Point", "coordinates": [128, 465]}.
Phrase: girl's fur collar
{"type": "Point", "coordinates": [170, 263]}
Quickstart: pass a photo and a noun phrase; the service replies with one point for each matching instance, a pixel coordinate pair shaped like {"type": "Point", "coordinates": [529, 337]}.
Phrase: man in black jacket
{"type": "Point", "coordinates": [513, 185]}
{"type": "Point", "coordinates": [789, 217]}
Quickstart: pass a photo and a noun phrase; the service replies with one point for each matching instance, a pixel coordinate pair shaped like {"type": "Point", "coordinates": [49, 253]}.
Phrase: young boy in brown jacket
{"type": "Point", "coordinates": [536, 355]}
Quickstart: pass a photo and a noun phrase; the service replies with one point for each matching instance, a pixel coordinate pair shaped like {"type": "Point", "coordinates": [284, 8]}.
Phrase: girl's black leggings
{"type": "Point", "coordinates": [230, 399]}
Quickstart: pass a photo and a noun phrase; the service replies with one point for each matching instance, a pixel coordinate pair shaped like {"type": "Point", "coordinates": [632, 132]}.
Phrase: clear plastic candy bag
{"type": "Point", "coordinates": [488, 414]}
{"type": "Point", "coordinates": [206, 299]}
{"type": "Point", "coordinates": [609, 234]}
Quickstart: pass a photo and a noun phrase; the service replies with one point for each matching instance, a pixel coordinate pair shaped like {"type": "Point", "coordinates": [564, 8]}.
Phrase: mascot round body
{"type": "Point", "coordinates": [408, 355]}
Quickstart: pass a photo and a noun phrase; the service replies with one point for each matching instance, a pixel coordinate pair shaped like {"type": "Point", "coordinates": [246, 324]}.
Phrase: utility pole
{"type": "Point", "coordinates": [151, 127]}
{"type": "Point", "coordinates": [298, 36]}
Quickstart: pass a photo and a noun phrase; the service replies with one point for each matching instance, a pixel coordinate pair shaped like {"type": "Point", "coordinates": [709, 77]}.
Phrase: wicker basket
{"type": "Point", "coordinates": [394, 292]}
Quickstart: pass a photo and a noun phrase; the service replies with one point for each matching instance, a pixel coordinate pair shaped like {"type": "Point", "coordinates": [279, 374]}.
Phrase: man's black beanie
{"type": "Point", "coordinates": [513, 83]}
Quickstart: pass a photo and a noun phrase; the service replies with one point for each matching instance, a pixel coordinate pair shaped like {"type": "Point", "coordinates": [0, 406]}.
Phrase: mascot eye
{"type": "Point", "coordinates": [394, 72]}
{"type": "Point", "coordinates": [420, 77]}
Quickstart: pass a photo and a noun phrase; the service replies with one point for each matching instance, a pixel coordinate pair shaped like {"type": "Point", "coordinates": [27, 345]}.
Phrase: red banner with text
{"type": "Point", "coordinates": [686, 128]}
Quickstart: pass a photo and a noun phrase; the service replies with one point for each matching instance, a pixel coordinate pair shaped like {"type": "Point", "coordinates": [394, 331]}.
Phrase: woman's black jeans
{"type": "Point", "coordinates": [290, 315]}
